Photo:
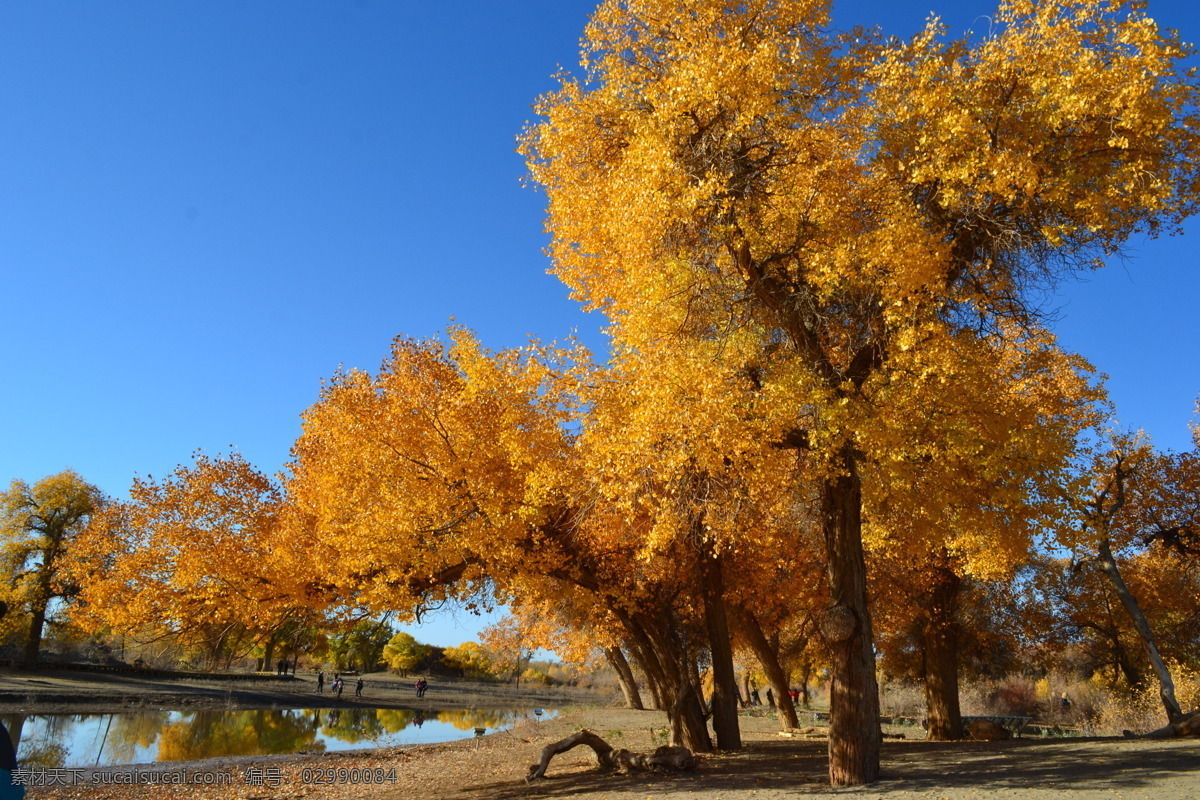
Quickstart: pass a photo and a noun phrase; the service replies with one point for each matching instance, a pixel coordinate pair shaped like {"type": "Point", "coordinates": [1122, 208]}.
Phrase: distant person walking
{"type": "Point", "coordinates": [341, 684]}
{"type": "Point", "coordinates": [320, 682]}
{"type": "Point", "coordinates": [358, 687]}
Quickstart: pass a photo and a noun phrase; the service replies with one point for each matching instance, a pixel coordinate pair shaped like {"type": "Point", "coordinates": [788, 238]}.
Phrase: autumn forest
{"type": "Point", "coordinates": [833, 434]}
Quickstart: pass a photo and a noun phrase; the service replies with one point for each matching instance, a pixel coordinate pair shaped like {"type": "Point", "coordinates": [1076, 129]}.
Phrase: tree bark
{"type": "Point", "coordinates": [37, 610]}
{"type": "Point", "coordinates": [768, 657]}
{"type": "Point", "coordinates": [620, 665]}
{"type": "Point", "coordinates": [660, 648]}
{"type": "Point", "coordinates": [940, 656]}
{"type": "Point", "coordinates": [1166, 686]}
{"type": "Point", "coordinates": [805, 675]}
{"type": "Point", "coordinates": [724, 699]}
{"type": "Point", "coordinates": [855, 737]}
{"type": "Point", "coordinates": [33, 643]}
{"type": "Point", "coordinates": [269, 654]}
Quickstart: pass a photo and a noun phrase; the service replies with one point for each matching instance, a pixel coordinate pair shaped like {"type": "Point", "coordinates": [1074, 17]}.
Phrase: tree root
{"type": "Point", "coordinates": [677, 758]}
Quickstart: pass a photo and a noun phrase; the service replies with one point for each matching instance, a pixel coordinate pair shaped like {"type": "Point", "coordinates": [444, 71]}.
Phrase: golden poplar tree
{"type": "Point", "coordinates": [454, 474]}
{"type": "Point", "coordinates": [860, 206]}
{"type": "Point", "coordinates": [199, 556]}
{"type": "Point", "coordinates": [40, 526]}
{"type": "Point", "coordinates": [1132, 498]}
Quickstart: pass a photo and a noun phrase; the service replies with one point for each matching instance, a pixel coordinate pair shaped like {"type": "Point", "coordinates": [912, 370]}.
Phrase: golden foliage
{"type": "Point", "coordinates": [199, 549]}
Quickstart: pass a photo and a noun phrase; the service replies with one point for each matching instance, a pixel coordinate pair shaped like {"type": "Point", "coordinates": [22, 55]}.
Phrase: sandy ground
{"type": "Point", "coordinates": [770, 767]}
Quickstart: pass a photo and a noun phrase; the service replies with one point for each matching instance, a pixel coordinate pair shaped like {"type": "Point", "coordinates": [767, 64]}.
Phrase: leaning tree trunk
{"type": "Point", "coordinates": [657, 696]}
{"type": "Point", "coordinates": [650, 673]}
{"type": "Point", "coordinates": [1166, 686]}
{"type": "Point", "coordinates": [659, 646]}
{"type": "Point", "coordinates": [724, 699]}
{"type": "Point", "coordinates": [768, 657]}
{"type": "Point", "coordinates": [855, 737]}
{"type": "Point", "coordinates": [620, 665]}
{"type": "Point", "coordinates": [940, 656]}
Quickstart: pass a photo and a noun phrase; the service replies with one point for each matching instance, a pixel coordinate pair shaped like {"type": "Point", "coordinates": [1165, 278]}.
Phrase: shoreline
{"type": "Point", "coordinates": [66, 692]}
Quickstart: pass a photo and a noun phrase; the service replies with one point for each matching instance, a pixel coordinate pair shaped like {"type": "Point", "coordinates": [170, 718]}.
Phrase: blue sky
{"type": "Point", "coordinates": [206, 208]}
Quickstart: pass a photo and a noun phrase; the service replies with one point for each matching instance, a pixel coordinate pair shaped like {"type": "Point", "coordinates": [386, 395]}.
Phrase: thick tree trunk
{"type": "Point", "coordinates": [941, 659]}
{"type": "Point", "coordinates": [33, 643]}
{"type": "Point", "coordinates": [1166, 686]}
{"type": "Point", "coordinates": [768, 657]}
{"type": "Point", "coordinates": [855, 737]}
{"type": "Point", "coordinates": [688, 723]}
{"type": "Point", "coordinates": [724, 699]}
{"type": "Point", "coordinates": [805, 676]}
{"type": "Point", "coordinates": [37, 610]}
{"type": "Point", "coordinates": [940, 656]}
{"type": "Point", "coordinates": [620, 665]}
{"type": "Point", "coordinates": [268, 657]}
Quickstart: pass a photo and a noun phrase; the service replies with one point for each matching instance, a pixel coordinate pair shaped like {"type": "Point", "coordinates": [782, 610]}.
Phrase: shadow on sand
{"type": "Point", "coordinates": [800, 767]}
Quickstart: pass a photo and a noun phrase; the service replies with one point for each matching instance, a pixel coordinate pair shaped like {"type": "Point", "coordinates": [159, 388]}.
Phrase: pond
{"type": "Point", "coordinates": [85, 740]}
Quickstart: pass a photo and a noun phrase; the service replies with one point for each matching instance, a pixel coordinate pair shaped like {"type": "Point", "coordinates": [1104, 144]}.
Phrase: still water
{"type": "Point", "coordinates": [84, 740]}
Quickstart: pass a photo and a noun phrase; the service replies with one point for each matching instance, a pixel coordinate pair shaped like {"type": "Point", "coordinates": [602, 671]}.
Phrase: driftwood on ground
{"type": "Point", "coordinates": [1187, 725]}
{"type": "Point", "coordinates": [677, 758]}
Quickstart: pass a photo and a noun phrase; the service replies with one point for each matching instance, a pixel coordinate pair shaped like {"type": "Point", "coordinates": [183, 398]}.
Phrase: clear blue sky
{"type": "Point", "coordinates": [206, 208]}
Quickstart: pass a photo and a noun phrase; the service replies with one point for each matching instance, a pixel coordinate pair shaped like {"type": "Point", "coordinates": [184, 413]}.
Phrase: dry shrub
{"type": "Point", "coordinates": [1015, 695]}
{"type": "Point", "coordinates": [1083, 698]}
{"type": "Point", "coordinates": [1142, 711]}
{"type": "Point", "coordinates": [1095, 706]}
{"type": "Point", "coordinates": [900, 699]}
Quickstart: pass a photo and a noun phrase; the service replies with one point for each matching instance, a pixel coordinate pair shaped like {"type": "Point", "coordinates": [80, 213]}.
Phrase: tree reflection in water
{"type": "Point", "coordinates": [207, 734]}
{"type": "Point", "coordinates": [467, 719]}
{"type": "Point", "coordinates": [58, 740]}
{"type": "Point", "coordinates": [128, 732]}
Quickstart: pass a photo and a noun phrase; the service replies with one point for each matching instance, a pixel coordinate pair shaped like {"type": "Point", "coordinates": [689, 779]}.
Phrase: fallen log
{"type": "Point", "coordinates": [1187, 725]}
{"type": "Point", "coordinates": [676, 758]}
